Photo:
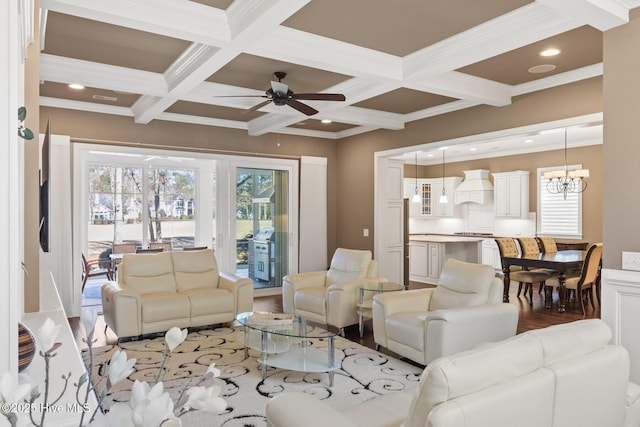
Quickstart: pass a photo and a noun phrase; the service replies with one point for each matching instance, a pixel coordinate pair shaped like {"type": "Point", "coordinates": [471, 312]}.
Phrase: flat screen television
{"type": "Point", "coordinates": [44, 189]}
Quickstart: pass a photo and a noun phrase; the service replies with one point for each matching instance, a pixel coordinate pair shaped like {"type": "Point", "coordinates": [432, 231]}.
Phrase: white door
{"type": "Point", "coordinates": [388, 218]}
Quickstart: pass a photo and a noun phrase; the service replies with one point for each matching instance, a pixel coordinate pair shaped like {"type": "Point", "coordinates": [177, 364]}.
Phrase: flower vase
{"type": "Point", "coordinates": [26, 347]}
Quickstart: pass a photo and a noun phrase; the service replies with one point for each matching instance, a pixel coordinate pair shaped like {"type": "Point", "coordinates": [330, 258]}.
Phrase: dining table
{"type": "Point", "coordinates": [561, 261]}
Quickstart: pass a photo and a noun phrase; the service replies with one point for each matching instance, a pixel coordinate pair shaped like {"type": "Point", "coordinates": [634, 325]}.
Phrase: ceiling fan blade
{"type": "Point", "coordinates": [240, 96]}
{"type": "Point", "coordinates": [257, 106]}
{"type": "Point", "coordinates": [303, 108]}
{"type": "Point", "coordinates": [279, 87]}
{"type": "Point", "coordinates": [320, 96]}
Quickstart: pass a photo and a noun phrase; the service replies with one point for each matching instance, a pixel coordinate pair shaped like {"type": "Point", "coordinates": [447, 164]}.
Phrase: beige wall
{"type": "Point", "coordinates": [590, 157]}
{"type": "Point", "coordinates": [84, 126]}
{"type": "Point", "coordinates": [350, 161]}
{"type": "Point", "coordinates": [355, 154]}
{"type": "Point", "coordinates": [621, 154]}
{"type": "Point", "coordinates": [31, 256]}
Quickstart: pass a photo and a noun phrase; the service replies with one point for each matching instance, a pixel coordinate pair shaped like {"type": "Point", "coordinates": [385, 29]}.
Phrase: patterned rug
{"type": "Point", "coordinates": [364, 374]}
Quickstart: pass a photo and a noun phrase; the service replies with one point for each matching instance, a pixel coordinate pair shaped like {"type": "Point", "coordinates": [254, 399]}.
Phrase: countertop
{"type": "Point", "coordinates": [441, 238]}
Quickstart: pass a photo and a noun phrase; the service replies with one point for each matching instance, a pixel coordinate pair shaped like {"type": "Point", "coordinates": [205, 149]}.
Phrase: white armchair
{"type": "Point", "coordinates": [330, 296]}
{"type": "Point", "coordinates": [463, 311]}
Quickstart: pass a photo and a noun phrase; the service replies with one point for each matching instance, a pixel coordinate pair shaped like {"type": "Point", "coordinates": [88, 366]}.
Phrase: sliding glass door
{"type": "Point", "coordinates": [262, 226]}
{"type": "Point", "coordinates": [244, 208]}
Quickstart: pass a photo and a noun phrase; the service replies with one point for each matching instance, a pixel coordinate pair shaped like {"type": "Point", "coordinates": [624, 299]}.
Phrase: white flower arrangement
{"type": "Point", "coordinates": [149, 406]}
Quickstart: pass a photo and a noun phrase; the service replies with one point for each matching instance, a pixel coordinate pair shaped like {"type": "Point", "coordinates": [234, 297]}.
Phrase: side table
{"type": "Point", "coordinates": [365, 298]}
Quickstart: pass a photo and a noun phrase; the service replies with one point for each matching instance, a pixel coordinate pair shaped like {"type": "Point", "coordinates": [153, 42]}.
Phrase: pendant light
{"type": "Point", "coordinates": [416, 197]}
{"type": "Point", "coordinates": [564, 181]}
{"type": "Point", "coordinates": [443, 198]}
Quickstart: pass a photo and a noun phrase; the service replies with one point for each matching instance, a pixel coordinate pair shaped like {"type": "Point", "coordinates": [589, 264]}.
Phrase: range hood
{"type": "Point", "coordinates": [476, 188]}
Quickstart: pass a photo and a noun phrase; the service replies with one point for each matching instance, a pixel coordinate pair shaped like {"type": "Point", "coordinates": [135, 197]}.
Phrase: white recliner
{"type": "Point", "coordinates": [330, 296]}
{"type": "Point", "coordinates": [463, 311]}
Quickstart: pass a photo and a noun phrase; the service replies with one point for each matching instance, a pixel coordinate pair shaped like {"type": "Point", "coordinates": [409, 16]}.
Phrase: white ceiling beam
{"type": "Point", "coordinates": [205, 121]}
{"type": "Point", "coordinates": [366, 117]}
{"type": "Point", "coordinates": [600, 14]}
{"type": "Point", "coordinates": [299, 47]}
{"type": "Point", "coordinates": [180, 19]}
{"type": "Point", "coordinates": [439, 109]}
{"type": "Point", "coordinates": [567, 77]}
{"type": "Point", "coordinates": [199, 61]}
{"type": "Point", "coordinates": [467, 87]}
{"type": "Point", "coordinates": [274, 122]}
{"type": "Point", "coordinates": [510, 31]}
{"type": "Point", "coordinates": [92, 74]}
{"type": "Point", "coordinates": [92, 107]}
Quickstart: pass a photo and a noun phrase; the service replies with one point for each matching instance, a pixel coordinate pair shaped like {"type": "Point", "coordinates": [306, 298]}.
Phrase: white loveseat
{"type": "Point", "coordinates": [463, 311]}
{"type": "Point", "coordinates": [561, 376]}
{"type": "Point", "coordinates": [155, 292]}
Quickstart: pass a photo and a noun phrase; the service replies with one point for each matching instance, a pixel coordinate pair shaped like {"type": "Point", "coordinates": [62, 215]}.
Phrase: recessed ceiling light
{"type": "Point", "coordinates": [473, 149]}
{"type": "Point", "coordinates": [545, 68]}
{"type": "Point", "coordinates": [429, 155]}
{"type": "Point", "coordinates": [326, 121]}
{"type": "Point", "coordinates": [550, 52]}
{"type": "Point", "coordinates": [76, 86]}
{"type": "Point", "coordinates": [528, 141]}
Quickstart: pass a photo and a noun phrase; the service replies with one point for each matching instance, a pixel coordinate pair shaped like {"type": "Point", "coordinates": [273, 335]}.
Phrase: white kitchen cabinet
{"type": "Point", "coordinates": [430, 190]}
{"type": "Point", "coordinates": [511, 194]}
{"type": "Point", "coordinates": [436, 255]}
{"type": "Point", "coordinates": [418, 261]}
{"type": "Point", "coordinates": [428, 255]}
{"type": "Point", "coordinates": [491, 254]}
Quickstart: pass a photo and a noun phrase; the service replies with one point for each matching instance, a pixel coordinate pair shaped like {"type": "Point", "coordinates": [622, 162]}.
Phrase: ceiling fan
{"type": "Point", "coordinates": [280, 94]}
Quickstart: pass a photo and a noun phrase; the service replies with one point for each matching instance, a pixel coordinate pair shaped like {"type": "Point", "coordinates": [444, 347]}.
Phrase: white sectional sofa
{"type": "Point", "coordinates": [155, 292]}
{"type": "Point", "coordinates": [561, 376]}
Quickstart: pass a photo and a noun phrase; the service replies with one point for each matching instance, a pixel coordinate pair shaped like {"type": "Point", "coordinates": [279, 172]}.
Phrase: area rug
{"type": "Point", "coordinates": [364, 374]}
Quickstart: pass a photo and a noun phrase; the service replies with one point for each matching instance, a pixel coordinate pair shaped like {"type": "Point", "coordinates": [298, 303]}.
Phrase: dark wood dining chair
{"type": "Point", "coordinates": [149, 251]}
{"type": "Point", "coordinates": [508, 248]}
{"type": "Point", "coordinates": [588, 279]}
{"type": "Point", "coordinates": [165, 246]}
{"type": "Point", "coordinates": [95, 268]}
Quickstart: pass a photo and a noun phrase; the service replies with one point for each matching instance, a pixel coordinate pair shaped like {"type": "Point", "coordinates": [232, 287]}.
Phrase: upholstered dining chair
{"type": "Point", "coordinates": [165, 246]}
{"type": "Point", "coordinates": [95, 268]}
{"type": "Point", "coordinates": [530, 246]}
{"type": "Point", "coordinates": [508, 248]}
{"type": "Point", "coordinates": [330, 296]}
{"type": "Point", "coordinates": [587, 280]}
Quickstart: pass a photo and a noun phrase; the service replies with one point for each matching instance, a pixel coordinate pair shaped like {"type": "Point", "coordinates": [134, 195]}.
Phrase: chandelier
{"type": "Point", "coordinates": [564, 181]}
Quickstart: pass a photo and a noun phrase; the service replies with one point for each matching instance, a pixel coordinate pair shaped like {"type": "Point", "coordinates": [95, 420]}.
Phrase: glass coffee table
{"type": "Point", "coordinates": [365, 298]}
{"type": "Point", "coordinates": [283, 341]}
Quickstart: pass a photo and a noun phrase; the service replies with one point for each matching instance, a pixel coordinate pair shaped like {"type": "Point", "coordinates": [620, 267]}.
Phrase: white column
{"type": "Point", "coordinates": [11, 72]}
{"type": "Point", "coordinates": [313, 214]}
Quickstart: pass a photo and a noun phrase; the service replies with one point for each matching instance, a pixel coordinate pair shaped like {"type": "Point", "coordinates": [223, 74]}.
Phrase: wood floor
{"type": "Point", "coordinates": [531, 317]}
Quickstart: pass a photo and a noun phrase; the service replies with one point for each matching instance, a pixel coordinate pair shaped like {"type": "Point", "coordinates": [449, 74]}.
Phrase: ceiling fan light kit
{"type": "Point", "coordinates": [279, 94]}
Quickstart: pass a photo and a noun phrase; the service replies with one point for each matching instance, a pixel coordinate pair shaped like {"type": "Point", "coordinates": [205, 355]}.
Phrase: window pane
{"type": "Point", "coordinates": [171, 207]}
{"type": "Point", "coordinates": [115, 208]}
{"type": "Point", "coordinates": [559, 216]}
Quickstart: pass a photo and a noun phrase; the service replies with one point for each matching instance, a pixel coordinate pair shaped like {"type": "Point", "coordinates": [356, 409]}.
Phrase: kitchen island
{"type": "Point", "coordinates": [429, 252]}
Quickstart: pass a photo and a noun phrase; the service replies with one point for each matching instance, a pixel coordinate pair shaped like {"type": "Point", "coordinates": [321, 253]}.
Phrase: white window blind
{"type": "Point", "coordinates": [557, 216]}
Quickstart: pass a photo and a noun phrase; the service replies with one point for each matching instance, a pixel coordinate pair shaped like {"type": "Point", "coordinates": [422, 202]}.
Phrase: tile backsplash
{"type": "Point", "coordinates": [476, 219]}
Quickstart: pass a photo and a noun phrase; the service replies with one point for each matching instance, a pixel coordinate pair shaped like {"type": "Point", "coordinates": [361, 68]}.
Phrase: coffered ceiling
{"type": "Point", "coordinates": [209, 61]}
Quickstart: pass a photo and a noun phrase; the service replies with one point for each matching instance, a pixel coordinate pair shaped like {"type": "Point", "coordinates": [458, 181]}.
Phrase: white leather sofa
{"type": "Point", "coordinates": [463, 311]}
{"type": "Point", "coordinates": [561, 376]}
{"type": "Point", "coordinates": [330, 296]}
{"type": "Point", "coordinates": [155, 292]}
